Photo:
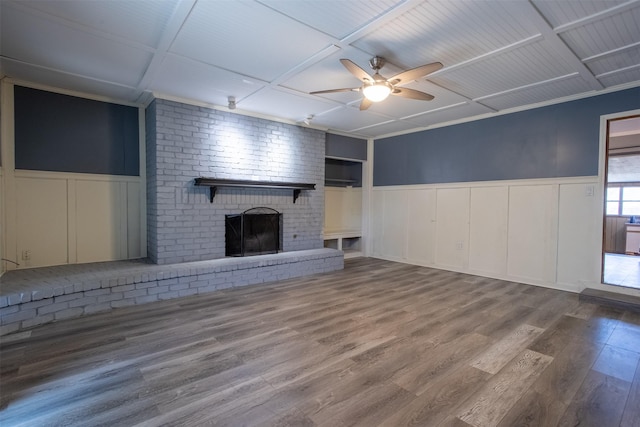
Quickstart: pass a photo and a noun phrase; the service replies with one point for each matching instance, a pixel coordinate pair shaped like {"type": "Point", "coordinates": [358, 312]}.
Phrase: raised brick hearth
{"type": "Point", "coordinates": [41, 295]}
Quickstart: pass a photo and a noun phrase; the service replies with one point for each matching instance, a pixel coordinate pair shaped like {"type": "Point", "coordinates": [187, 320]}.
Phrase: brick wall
{"type": "Point", "coordinates": [186, 141]}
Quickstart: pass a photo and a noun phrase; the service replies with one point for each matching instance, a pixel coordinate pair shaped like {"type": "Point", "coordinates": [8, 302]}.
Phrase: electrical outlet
{"type": "Point", "coordinates": [26, 255]}
{"type": "Point", "coordinates": [459, 245]}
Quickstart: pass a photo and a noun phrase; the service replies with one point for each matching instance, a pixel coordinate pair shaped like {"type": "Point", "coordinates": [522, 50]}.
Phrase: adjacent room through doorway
{"type": "Point", "coordinates": [621, 243]}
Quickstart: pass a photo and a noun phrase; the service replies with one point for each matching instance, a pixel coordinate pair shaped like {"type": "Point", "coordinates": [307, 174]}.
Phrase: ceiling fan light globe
{"type": "Point", "coordinates": [377, 92]}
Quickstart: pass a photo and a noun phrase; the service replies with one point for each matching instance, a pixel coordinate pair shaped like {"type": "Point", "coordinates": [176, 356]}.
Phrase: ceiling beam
{"type": "Point", "coordinates": [175, 23]}
{"type": "Point", "coordinates": [556, 43]}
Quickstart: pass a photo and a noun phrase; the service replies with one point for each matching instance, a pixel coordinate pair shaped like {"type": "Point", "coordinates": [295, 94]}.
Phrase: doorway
{"type": "Point", "coordinates": [621, 236]}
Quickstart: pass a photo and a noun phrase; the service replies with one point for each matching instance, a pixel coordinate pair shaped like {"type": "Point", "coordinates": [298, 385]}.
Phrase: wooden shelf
{"type": "Point", "coordinates": [339, 182]}
{"type": "Point", "coordinates": [214, 183]}
{"type": "Point", "coordinates": [347, 241]}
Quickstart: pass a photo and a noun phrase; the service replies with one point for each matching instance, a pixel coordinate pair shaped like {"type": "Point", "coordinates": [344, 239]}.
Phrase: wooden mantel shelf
{"type": "Point", "coordinates": [214, 183]}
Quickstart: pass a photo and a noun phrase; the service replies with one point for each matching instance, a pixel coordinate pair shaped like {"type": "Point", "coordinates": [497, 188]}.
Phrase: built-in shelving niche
{"type": "Point", "coordinates": [342, 173]}
{"type": "Point", "coordinates": [343, 206]}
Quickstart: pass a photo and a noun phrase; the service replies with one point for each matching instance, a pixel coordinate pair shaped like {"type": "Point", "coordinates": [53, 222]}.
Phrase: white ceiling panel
{"type": "Point", "coordinates": [337, 18]}
{"type": "Point", "coordinates": [193, 80]}
{"type": "Point", "coordinates": [141, 21]}
{"type": "Point", "coordinates": [285, 105]}
{"type": "Point", "coordinates": [622, 77]}
{"type": "Point", "coordinates": [449, 32]}
{"type": "Point", "coordinates": [55, 79]}
{"type": "Point", "coordinates": [247, 38]}
{"type": "Point", "coordinates": [53, 45]}
{"type": "Point", "coordinates": [529, 64]}
{"type": "Point", "coordinates": [604, 35]}
{"type": "Point", "coordinates": [394, 127]}
{"type": "Point", "coordinates": [563, 12]}
{"type": "Point", "coordinates": [346, 119]}
{"type": "Point", "coordinates": [539, 93]}
{"type": "Point", "coordinates": [457, 112]}
{"type": "Point", "coordinates": [615, 61]}
{"type": "Point", "coordinates": [329, 73]}
{"type": "Point", "coordinates": [270, 54]}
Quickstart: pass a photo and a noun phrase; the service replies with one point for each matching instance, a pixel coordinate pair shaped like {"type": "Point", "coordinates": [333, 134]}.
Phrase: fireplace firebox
{"type": "Point", "coordinates": [255, 231]}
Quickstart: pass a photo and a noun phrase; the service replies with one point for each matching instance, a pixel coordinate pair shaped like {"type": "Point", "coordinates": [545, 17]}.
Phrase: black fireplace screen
{"type": "Point", "coordinates": [254, 232]}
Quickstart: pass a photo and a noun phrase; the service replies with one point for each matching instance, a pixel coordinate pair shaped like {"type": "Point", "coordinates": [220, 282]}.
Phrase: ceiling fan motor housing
{"type": "Point", "coordinates": [377, 62]}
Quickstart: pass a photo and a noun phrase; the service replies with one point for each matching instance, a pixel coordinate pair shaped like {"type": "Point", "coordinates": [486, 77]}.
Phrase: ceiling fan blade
{"type": "Point", "coordinates": [405, 92]}
{"type": "Point", "coordinates": [415, 73]}
{"type": "Point", "coordinates": [348, 89]}
{"type": "Point", "coordinates": [356, 71]}
{"type": "Point", "coordinates": [365, 104]}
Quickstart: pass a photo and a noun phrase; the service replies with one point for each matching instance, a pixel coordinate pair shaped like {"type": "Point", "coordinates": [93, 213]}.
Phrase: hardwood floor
{"type": "Point", "coordinates": [379, 343]}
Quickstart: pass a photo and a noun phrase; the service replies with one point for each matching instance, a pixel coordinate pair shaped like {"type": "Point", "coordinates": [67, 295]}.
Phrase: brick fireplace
{"type": "Point", "coordinates": [186, 141]}
{"type": "Point", "coordinates": [186, 229]}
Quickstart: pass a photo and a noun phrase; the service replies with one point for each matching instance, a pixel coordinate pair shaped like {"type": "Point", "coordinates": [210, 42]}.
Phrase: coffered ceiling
{"type": "Point", "coordinates": [269, 54]}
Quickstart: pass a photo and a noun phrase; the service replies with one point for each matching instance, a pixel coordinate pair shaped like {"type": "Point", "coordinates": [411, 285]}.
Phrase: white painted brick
{"type": "Point", "coordinates": [69, 297]}
{"type": "Point", "coordinates": [97, 292]}
{"type": "Point", "coordinates": [135, 293]}
{"type": "Point", "coordinates": [34, 304]}
{"type": "Point", "coordinates": [83, 301]}
{"type": "Point", "coordinates": [179, 287]}
{"type": "Point", "coordinates": [157, 290]}
{"type": "Point", "coordinates": [114, 296]}
{"type": "Point", "coordinates": [19, 316]}
{"type": "Point", "coordinates": [52, 308]}
{"type": "Point", "coordinates": [18, 298]}
{"type": "Point", "coordinates": [10, 310]}
{"type": "Point", "coordinates": [146, 285]}
{"type": "Point", "coordinates": [122, 288]}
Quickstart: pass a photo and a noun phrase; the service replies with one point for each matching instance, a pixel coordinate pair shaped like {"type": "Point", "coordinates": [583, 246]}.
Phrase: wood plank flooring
{"type": "Point", "coordinates": [379, 343]}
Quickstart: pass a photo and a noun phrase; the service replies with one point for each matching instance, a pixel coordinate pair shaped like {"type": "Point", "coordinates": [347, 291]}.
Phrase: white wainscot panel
{"type": "Point", "coordinates": [452, 234]}
{"type": "Point", "coordinates": [394, 224]}
{"type": "Point", "coordinates": [532, 233]}
{"type": "Point", "coordinates": [488, 230]}
{"type": "Point", "coordinates": [41, 222]}
{"type": "Point", "coordinates": [377, 221]}
{"type": "Point", "coordinates": [579, 236]}
{"type": "Point", "coordinates": [422, 226]}
{"type": "Point", "coordinates": [134, 244]}
{"type": "Point", "coordinates": [98, 220]}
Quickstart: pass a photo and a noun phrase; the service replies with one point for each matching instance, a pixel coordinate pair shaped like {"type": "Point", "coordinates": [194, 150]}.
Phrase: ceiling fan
{"type": "Point", "coordinates": [376, 88]}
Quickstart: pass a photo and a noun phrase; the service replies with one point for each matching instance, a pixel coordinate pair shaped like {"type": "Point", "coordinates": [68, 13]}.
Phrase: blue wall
{"type": "Point", "coordinates": [62, 133]}
{"type": "Point", "coordinates": [345, 147]}
{"type": "Point", "coordinates": [560, 140]}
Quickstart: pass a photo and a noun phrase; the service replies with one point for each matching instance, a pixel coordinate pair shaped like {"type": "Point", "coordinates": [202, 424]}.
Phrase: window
{"type": "Point", "coordinates": [623, 199]}
{"type": "Point", "coordinates": [613, 200]}
{"type": "Point", "coordinates": [630, 200]}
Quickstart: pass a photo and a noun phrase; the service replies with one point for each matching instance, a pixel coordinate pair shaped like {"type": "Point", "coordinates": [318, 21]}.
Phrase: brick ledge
{"type": "Point", "coordinates": [44, 300]}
